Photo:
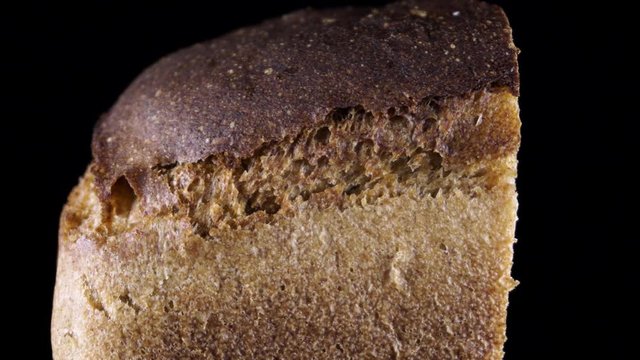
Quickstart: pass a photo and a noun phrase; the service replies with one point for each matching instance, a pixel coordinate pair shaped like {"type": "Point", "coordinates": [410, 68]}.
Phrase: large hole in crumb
{"type": "Point", "coordinates": [323, 135]}
{"type": "Point", "coordinates": [364, 148]}
{"type": "Point", "coordinates": [262, 202]}
{"type": "Point", "coordinates": [428, 124]}
{"type": "Point", "coordinates": [122, 197]}
{"type": "Point", "coordinates": [339, 114]}
{"type": "Point", "coordinates": [323, 161]}
{"type": "Point", "coordinates": [401, 168]}
{"type": "Point", "coordinates": [435, 160]}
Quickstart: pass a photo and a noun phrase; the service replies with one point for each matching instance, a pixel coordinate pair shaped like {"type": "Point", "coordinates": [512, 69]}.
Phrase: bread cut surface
{"type": "Point", "coordinates": [369, 214]}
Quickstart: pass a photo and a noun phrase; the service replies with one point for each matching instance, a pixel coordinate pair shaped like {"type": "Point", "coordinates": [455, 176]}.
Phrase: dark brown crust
{"type": "Point", "coordinates": [235, 93]}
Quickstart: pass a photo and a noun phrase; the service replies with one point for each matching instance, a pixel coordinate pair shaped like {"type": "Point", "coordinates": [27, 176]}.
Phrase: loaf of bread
{"type": "Point", "coordinates": [330, 184]}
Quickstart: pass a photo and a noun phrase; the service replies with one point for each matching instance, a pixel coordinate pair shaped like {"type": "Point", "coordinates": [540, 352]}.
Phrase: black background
{"type": "Point", "coordinates": [64, 65]}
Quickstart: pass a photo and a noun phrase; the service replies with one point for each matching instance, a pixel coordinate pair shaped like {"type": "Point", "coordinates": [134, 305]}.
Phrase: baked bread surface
{"type": "Point", "coordinates": [329, 184]}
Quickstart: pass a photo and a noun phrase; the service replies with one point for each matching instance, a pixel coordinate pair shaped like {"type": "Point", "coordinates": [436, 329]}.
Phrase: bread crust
{"type": "Point", "coordinates": [413, 263]}
{"type": "Point", "coordinates": [259, 84]}
{"type": "Point", "coordinates": [329, 184]}
{"type": "Point", "coordinates": [409, 277]}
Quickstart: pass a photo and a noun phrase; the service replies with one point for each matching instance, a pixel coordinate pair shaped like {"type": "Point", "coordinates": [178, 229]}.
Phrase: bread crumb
{"type": "Point", "coordinates": [418, 12]}
{"type": "Point", "coordinates": [268, 71]}
{"type": "Point", "coordinates": [479, 120]}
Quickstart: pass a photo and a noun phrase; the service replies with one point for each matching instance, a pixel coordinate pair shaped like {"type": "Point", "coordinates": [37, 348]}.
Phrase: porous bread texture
{"type": "Point", "coordinates": [259, 84]}
{"type": "Point", "coordinates": [361, 237]}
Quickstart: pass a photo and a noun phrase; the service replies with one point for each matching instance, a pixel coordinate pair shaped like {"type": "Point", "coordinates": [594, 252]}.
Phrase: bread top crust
{"type": "Point", "coordinates": [257, 85]}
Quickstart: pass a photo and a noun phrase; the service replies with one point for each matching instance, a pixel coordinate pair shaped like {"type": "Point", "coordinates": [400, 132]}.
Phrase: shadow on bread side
{"type": "Point", "coordinates": [353, 158]}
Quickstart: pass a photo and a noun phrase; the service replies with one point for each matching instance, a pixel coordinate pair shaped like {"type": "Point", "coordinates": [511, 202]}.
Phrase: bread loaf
{"type": "Point", "coordinates": [329, 184]}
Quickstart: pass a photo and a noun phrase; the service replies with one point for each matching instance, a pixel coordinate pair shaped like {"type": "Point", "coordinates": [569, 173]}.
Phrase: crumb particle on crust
{"type": "Point", "coordinates": [418, 12]}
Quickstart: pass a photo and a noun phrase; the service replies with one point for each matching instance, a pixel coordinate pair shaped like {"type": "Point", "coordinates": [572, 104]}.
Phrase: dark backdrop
{"type": "Point", "coordinates": [64, 65]}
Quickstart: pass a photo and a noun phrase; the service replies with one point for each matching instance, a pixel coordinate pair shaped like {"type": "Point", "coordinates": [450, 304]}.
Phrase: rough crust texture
{"type": "Point", "coordinates": [331, 184]}
{"type": "Point", "coordinates": [259, 84]}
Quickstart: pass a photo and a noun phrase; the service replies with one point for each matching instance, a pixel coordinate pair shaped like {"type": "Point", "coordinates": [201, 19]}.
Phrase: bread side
{"type": "Point", "coordinates": [329, 184]}
{"type": "Point", "coordinates": [410, 278]}
{"type": "Point", "coordinates": [412, 263]}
